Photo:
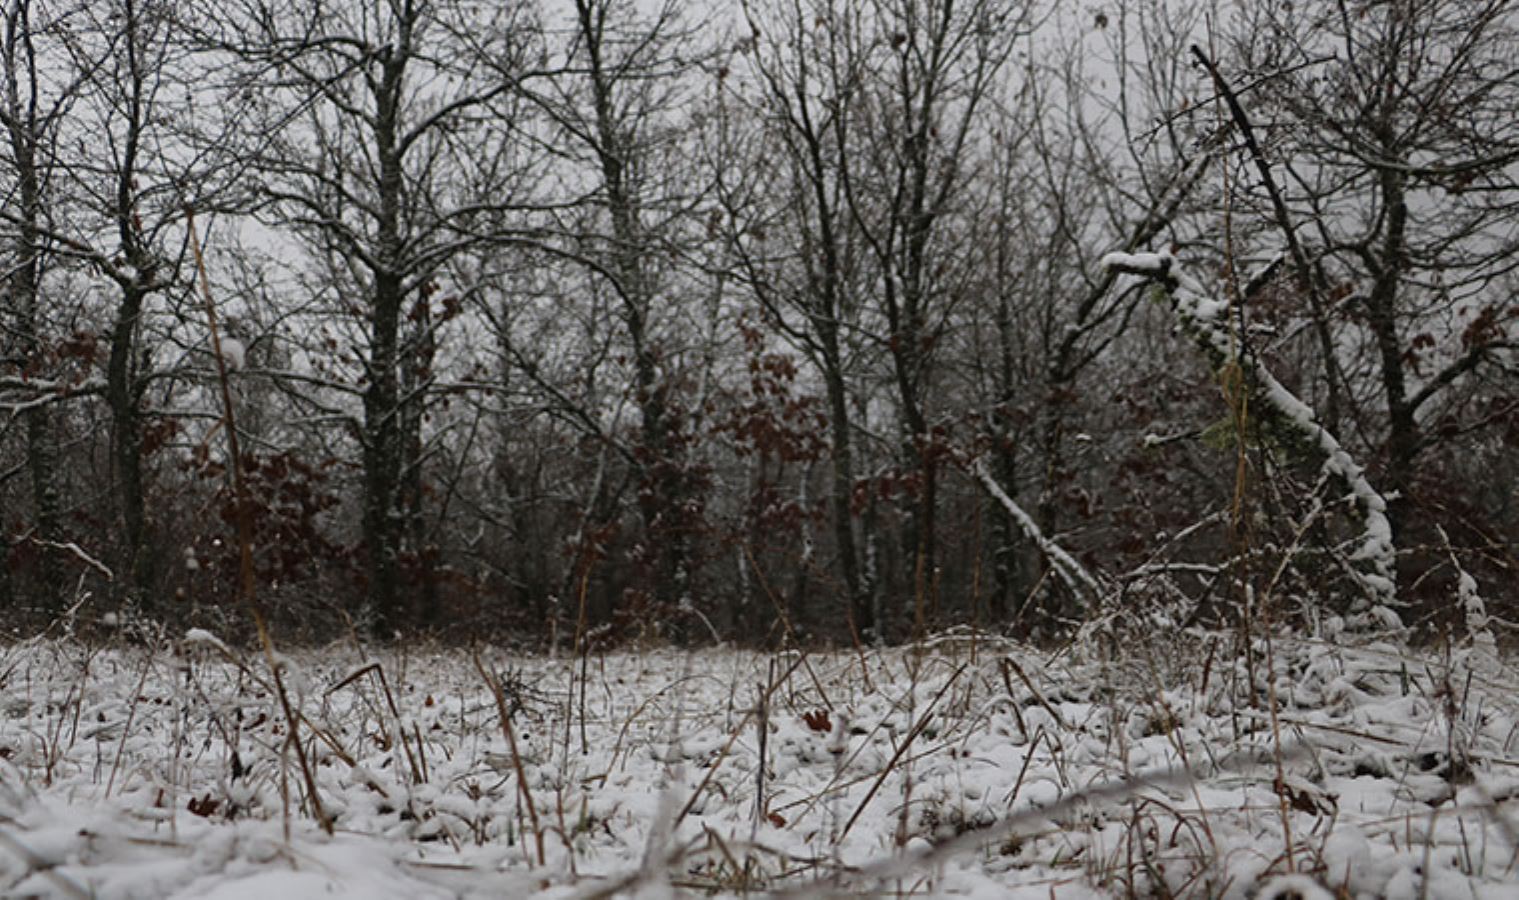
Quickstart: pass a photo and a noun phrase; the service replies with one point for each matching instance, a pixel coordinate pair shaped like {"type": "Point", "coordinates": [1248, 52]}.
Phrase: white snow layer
{"type": "Point", "coordinates": [921, 771]}
{"type": "Point", "coordinates": [234, 354]}
{"type": "Point", "coordinates": [1140, 263]}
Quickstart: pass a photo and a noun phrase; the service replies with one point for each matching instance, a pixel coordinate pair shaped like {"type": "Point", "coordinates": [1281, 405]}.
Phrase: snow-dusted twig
{"type": "Point", "coordinates": [202, 637]}
{"type": "Point", "coordinates": [493, 682]}
{"type": "Point", "coordinates": [78, 553]}
{"type": "Point", "coordinates": [1481, 652]}
{"type": "Point", "coordinates": [247, 574]}
{"type": "Point", "coordinates": [18, 395]}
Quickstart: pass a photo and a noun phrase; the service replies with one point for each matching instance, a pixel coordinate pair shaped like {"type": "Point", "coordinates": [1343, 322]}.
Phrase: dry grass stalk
{"type": "Point", "coordinates": [494, 684]}
{"type": "Point", "coordinates": [247, 575]}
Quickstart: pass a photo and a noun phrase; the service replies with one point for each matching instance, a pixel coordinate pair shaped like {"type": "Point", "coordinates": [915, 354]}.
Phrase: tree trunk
{"type": "Point", "coordinates": [841, 486]}
{"type": "Point", "coordinates": [122, 397]}
{"type": "Point", "coordinates": [1000, 603]}
{"type": "Point", "coordinates": [24, 286]}
{"type": "Point", "coordinates": [920, 543]}
{"type": "Point", "coordinates": [1382, 318]}
{"type": "Point", "coordinates": [416, 369]}
{"type": "Point", "coordinates": [1051, 437]}
{"type": "Point", "coordinates": [1004, 461]}
{"type": "Point", "coordinates": [382, 459]}
{"type": "Point", "coordinates": [383, 525]}
{"type": "Point", "coordinates": [41, 438]}
{"type": "Point", "coordinates": [664, 491]}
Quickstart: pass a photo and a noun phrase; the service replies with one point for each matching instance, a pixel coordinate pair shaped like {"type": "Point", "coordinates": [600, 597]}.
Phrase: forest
{"type": "Point", "coordinates": [781, 323]}
{"type": "Point", "coordinates": [581, 449]}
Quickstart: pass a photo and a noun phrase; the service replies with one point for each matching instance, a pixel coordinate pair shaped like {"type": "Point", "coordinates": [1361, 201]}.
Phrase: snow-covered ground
{"type": "Point", "coordinates": [964, 766]}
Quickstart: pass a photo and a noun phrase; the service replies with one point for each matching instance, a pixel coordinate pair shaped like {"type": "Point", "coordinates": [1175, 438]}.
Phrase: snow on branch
{"type": "Point", "coordinates": [1072, 573]}
{"type": "Point", "coordinates": [18, 394]}
{"type": "Point", "coordinates": [1288, 418]}
{"type": "Point", "coordinates": [1148, 265]}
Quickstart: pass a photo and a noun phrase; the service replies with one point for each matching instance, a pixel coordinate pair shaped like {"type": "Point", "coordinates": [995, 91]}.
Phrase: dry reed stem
{"type": "Point", "coordinates": [248, 576]}
{"type": "Point", "coordinates": [896, 756]}
{"type": "Point", "coordinates": [511, 741]}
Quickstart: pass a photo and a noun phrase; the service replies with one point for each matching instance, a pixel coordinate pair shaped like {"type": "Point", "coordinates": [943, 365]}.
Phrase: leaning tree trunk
{"type": "Point", "coordinates": [1293, 426]}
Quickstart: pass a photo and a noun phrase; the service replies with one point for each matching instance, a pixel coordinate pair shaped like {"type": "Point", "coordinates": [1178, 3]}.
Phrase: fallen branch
{"type": "Point", "coordinates": [79, 553]}
{"type": "Point", "coordinates": [1071, 573]}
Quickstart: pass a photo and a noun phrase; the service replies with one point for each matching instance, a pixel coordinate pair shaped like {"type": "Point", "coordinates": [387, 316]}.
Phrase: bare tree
{"type": "Point", "coordinates": [30, 113]}
{"type": "Point", "coordinates": [377, 157]}
{"type": "Point", "coordinates": [615, 125]}
{"type": "Point", "coordinates": [104, 174]}
{"type": "Point", "coordinates": [1394, 153]}
{"type": "Point", "coordinates": [926, 69]}
{"type": "Point", "coordinates": [792, 241]}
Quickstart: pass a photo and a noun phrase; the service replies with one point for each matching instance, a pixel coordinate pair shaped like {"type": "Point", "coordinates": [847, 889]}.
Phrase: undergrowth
{"type": "Point", "coordinates": [1140, 767]}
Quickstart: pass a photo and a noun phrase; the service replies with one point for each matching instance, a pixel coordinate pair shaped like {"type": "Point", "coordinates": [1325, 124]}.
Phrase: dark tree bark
{"type": "Point", "coordinates": [384, 521]}
{"type": "Point", "coordinates": [30, 132]}
{"type": "Point", "coordinates": [137, 278]}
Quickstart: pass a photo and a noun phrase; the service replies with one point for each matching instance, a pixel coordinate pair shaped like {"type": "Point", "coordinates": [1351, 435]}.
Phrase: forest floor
{"type": "Point", "coordinates": [962, 766]}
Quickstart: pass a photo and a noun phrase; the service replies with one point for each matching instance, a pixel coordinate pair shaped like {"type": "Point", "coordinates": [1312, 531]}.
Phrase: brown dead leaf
{"type": "Point", "coordinates": [204, 807]}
